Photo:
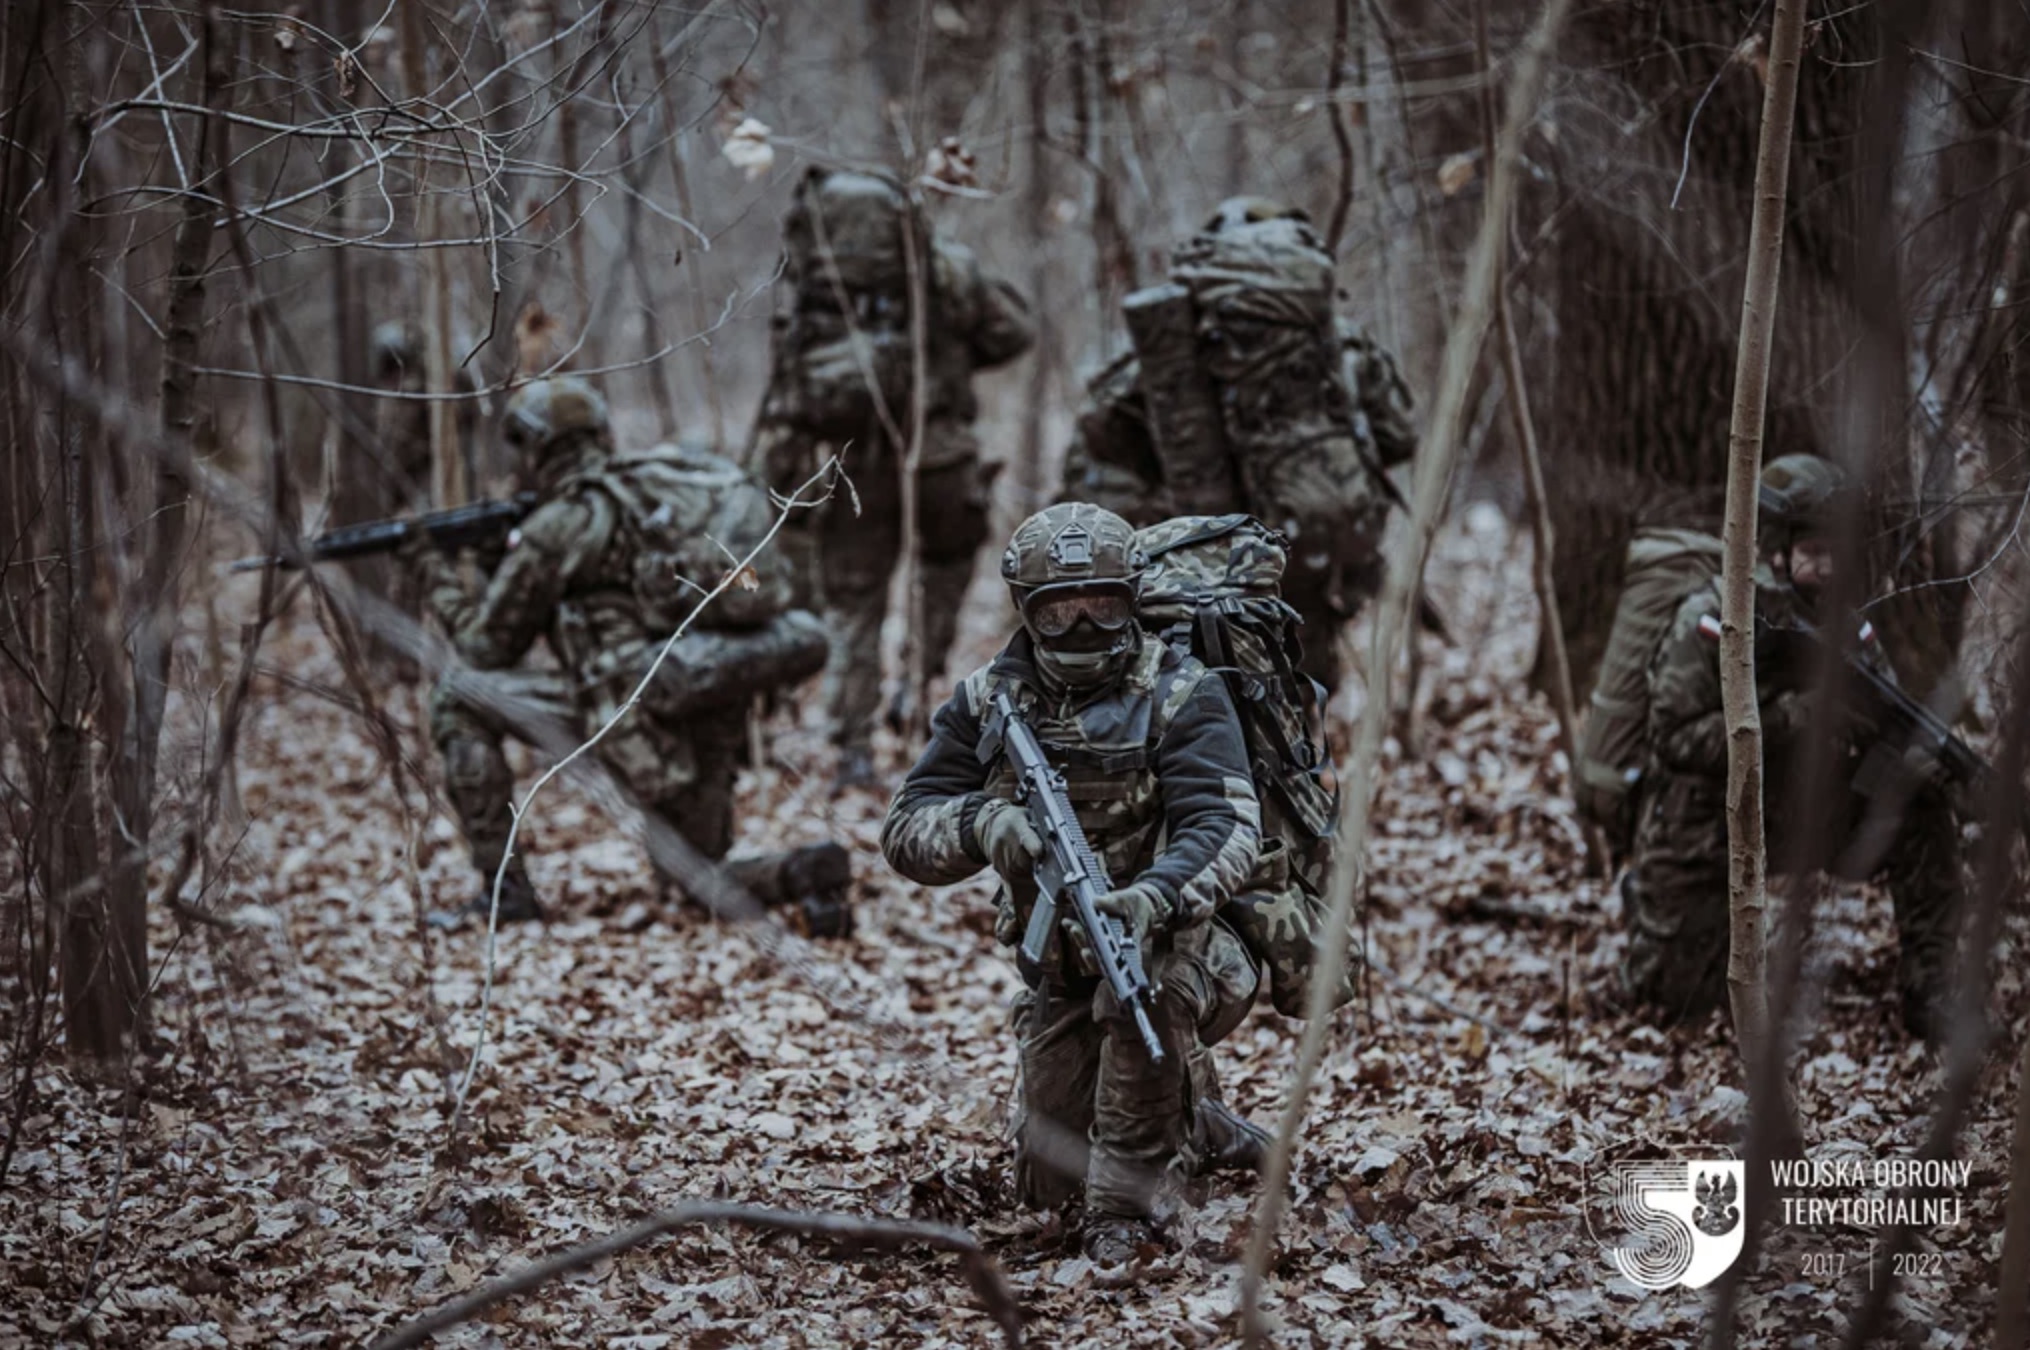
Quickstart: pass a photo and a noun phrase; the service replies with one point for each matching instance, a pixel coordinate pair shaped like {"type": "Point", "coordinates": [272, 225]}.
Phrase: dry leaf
{"type": "Point", "coordinates": [950, 164]}
{"type": "Point", "coordinates": [747, 148]}
{"type": "Point", "coordinates": [1457, 171]}
{"type": "Point", "coordinates": [746, 579]}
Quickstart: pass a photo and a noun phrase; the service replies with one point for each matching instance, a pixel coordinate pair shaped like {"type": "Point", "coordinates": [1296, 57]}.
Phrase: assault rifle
{"type": "Point", "coordinates": [451, 529]}
{"type": "Point", "coordinates": [1069, 871]}
{"type": "Point", "coordinates": [1909, 729]}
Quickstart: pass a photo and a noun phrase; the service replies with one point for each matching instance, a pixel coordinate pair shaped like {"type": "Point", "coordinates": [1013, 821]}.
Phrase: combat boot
{"type": "Point", "coordinates": [812, 882]}
{"type": "Point", "coordinates": [1116, 1244]}
{"type": "Point", "coordinates": [1228, 1142]}
{"type": "Point", "coordinates": [518, 902]}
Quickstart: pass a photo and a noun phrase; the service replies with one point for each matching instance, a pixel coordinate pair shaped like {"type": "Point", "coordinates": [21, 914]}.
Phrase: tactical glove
{"type": "Point", "coordinates": [1139, 908]}
{"type": "Point", "coordinates": [1009, 840]}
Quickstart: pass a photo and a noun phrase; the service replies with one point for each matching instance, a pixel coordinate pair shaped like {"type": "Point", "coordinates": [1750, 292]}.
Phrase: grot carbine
{"type": "Point", "coordinates": [1068, 873]}
{"type": "Point", "coordinates": [1912, 734]}
{"type": "Point", "coordinates": [451, 529]}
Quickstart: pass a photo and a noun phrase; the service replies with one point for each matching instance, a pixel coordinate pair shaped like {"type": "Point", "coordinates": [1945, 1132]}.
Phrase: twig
{"type": "Point", "coordinates": [1342, 20]}
{"type": "Point", "coordinates": [885, 1235]}
{"type": "Point", "coordinates": [1433, 484]}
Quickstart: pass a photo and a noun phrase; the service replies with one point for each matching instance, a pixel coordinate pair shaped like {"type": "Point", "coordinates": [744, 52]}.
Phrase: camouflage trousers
{"type": "Point", "coordinates": [1095, 1109]}
{"type": "Point", "coordinates": [1674, 895]}
{"type": "Point", "coordinates": [860, 553]}
{"type": "Point", "coordinates": [683, 774]}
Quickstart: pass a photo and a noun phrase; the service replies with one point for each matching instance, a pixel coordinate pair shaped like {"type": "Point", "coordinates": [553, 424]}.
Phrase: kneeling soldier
{"type": "Point", "coordinates": [618, 553]}
{"type": "Point", "coordinates": [1157, 774]}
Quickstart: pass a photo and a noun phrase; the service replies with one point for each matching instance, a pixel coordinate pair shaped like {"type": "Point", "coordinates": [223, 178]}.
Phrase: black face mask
{"type": "Point", "coordinates": [1083, 657]}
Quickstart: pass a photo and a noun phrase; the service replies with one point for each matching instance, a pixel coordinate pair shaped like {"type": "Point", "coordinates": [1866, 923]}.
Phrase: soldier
{"type": "Point", "coordinates": [843, 366]}
{"type": "Point", "coordinates": [612, 561]}
{"type": "Point", "coordinates": [402, 425]}
{"type": "Point", "coordinates": [1675, 891]}
{"type": "Point", "coordinates": [1244, 393]}
{"type": "Point", "coordinates": [1158, 774]}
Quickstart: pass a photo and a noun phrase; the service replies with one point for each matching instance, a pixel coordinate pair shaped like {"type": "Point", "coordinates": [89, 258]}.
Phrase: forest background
{"type": "Point", "coordinates": [204, 211]}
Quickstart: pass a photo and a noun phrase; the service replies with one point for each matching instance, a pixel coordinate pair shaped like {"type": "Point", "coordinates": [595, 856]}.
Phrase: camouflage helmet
{"type": "Point", "coordinates": [544, 413]}
{"type": "Point", "coordinates": [1075, 571]}
{"type": "Point", "coordinates": [1237, 211]}
{"type": "Point", "coordinates": [1072, 543]}
{"type": "Point", "coordinates": [396, 346]}
{"type": "Point", "coordinates": [1801, 495]}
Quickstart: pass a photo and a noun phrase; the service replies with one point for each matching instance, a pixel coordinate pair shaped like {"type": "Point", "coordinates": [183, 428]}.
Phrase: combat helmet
{"type": "Point", "coordinates": [1074, 572]}
{"type": "Point", "coordinates": [547, 416]}
{"type": "Point", "coordinates": [1801, 495]}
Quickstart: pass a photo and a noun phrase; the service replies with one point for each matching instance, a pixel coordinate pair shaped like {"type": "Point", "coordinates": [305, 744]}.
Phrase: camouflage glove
{"type": "Point", "coordinates": [1139, 908]}
{"type": "Point", "coordinates": [1009, 841]}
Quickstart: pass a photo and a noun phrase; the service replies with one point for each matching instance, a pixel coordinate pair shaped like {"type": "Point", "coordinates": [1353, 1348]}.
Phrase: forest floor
{"type": "Point", "coordinates": [286, 1175]}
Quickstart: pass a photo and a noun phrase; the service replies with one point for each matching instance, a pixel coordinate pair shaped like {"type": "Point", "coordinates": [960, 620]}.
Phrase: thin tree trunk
{"type": "Point", "coordinates": [695, 252]}
{"type": "Point", "coordinates": [1394, 613]}
{"type": "Point", "coordinates": [1342, 206]}
{"type": "Point", "coordinates": [1747, 861]}
{"type": "Point", "coordinates": [1536, 498]}
{"type": "Point", "coordinates": [1029, 474]}
{"type": "Point", "coordinates": [448, 469]}
{"type": "Point", "coordinates": [2012, 1312]}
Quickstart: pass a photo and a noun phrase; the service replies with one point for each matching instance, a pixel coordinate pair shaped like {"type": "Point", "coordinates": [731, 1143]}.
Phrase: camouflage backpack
{"type": "Point", "coordinates": [1663, 567]}
{"type": "Point", "coordinates": [1264, 419]}
{"type": "Point", "coordinates": [1213, 588]}
{"type": "Point", "coordinates": [842, 326]}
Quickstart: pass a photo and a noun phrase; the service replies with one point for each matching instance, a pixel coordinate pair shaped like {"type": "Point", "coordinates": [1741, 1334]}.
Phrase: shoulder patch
{"type": "Point", "coordinates": [514, 539]}
{"type": "Point", "coordinates": [1709, 627]}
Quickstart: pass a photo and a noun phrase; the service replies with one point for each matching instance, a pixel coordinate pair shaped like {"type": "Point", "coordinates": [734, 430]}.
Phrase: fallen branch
{"type": "Point", "coordinates": [884, 1235]}
{"type": "Point", "coordinates": [1405, 572]}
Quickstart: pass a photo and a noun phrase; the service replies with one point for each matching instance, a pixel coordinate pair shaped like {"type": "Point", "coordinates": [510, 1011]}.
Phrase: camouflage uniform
{"type": "Point", "coordinates": [581, 572]}
{"type": "Point", "coordinates": [1675, 891]}
{"type": "Point", "coordinates": [1157, 771]}
{"type": "Point", "coordinates": [1309, 433]}
{"type": "Point", "coordinates": [852, 546]}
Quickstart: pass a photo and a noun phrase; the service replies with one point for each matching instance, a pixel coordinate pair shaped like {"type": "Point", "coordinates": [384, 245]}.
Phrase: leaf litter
{"type": "Point", "coordinates": [286, 1177]}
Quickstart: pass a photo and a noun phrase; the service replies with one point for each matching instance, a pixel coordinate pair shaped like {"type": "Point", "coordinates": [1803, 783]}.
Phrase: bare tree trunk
{"type": "Point", "coordinates": [448, 470]}
{"type": "Point", "coordinates": [695, 252]}
{"type": "Point", "coordinates": [1747, 861]}
{"type": "Point", "coordinates": [2012, 1312]}
{"type": "Point", "coordinates": [1029, 475]}
{"type": "Point", "coordinates": [1536, 499]}
{"type": "Point", "coordinates": [1394, 614]}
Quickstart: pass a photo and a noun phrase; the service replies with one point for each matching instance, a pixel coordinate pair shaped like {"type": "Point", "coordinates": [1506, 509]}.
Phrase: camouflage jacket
{"type": "Point", "coordinates": [583, 569]}
{"type": "Point", "coordinates": [1687, 725]}
{"type": "Point", "coordinates": [1155, 766]}
{"type": "Point", "coordinates": [978, 321]}
{"type": "Point", "coordinates": [1112, 461]}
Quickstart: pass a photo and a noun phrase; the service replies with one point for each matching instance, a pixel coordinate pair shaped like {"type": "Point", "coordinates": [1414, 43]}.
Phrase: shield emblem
{"type": "Point", "coordinates": [1685, 1220]}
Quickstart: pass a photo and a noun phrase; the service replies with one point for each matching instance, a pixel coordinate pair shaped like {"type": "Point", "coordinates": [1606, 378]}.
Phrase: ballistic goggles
{"type": "Point", "coordinates": [1054, 610]}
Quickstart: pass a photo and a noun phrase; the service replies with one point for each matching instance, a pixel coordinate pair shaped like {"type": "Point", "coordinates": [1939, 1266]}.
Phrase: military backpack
{"type": "Point", "coordinates": [843, 353]}
{"type": "Point", "coordinates": [1212, 588]}
{"type": "Point", "coordinates": [1664, 566]}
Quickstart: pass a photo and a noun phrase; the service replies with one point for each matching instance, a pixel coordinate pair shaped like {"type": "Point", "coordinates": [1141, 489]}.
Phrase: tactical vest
{"type": "Point", "coordinates": [1104, 745]}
